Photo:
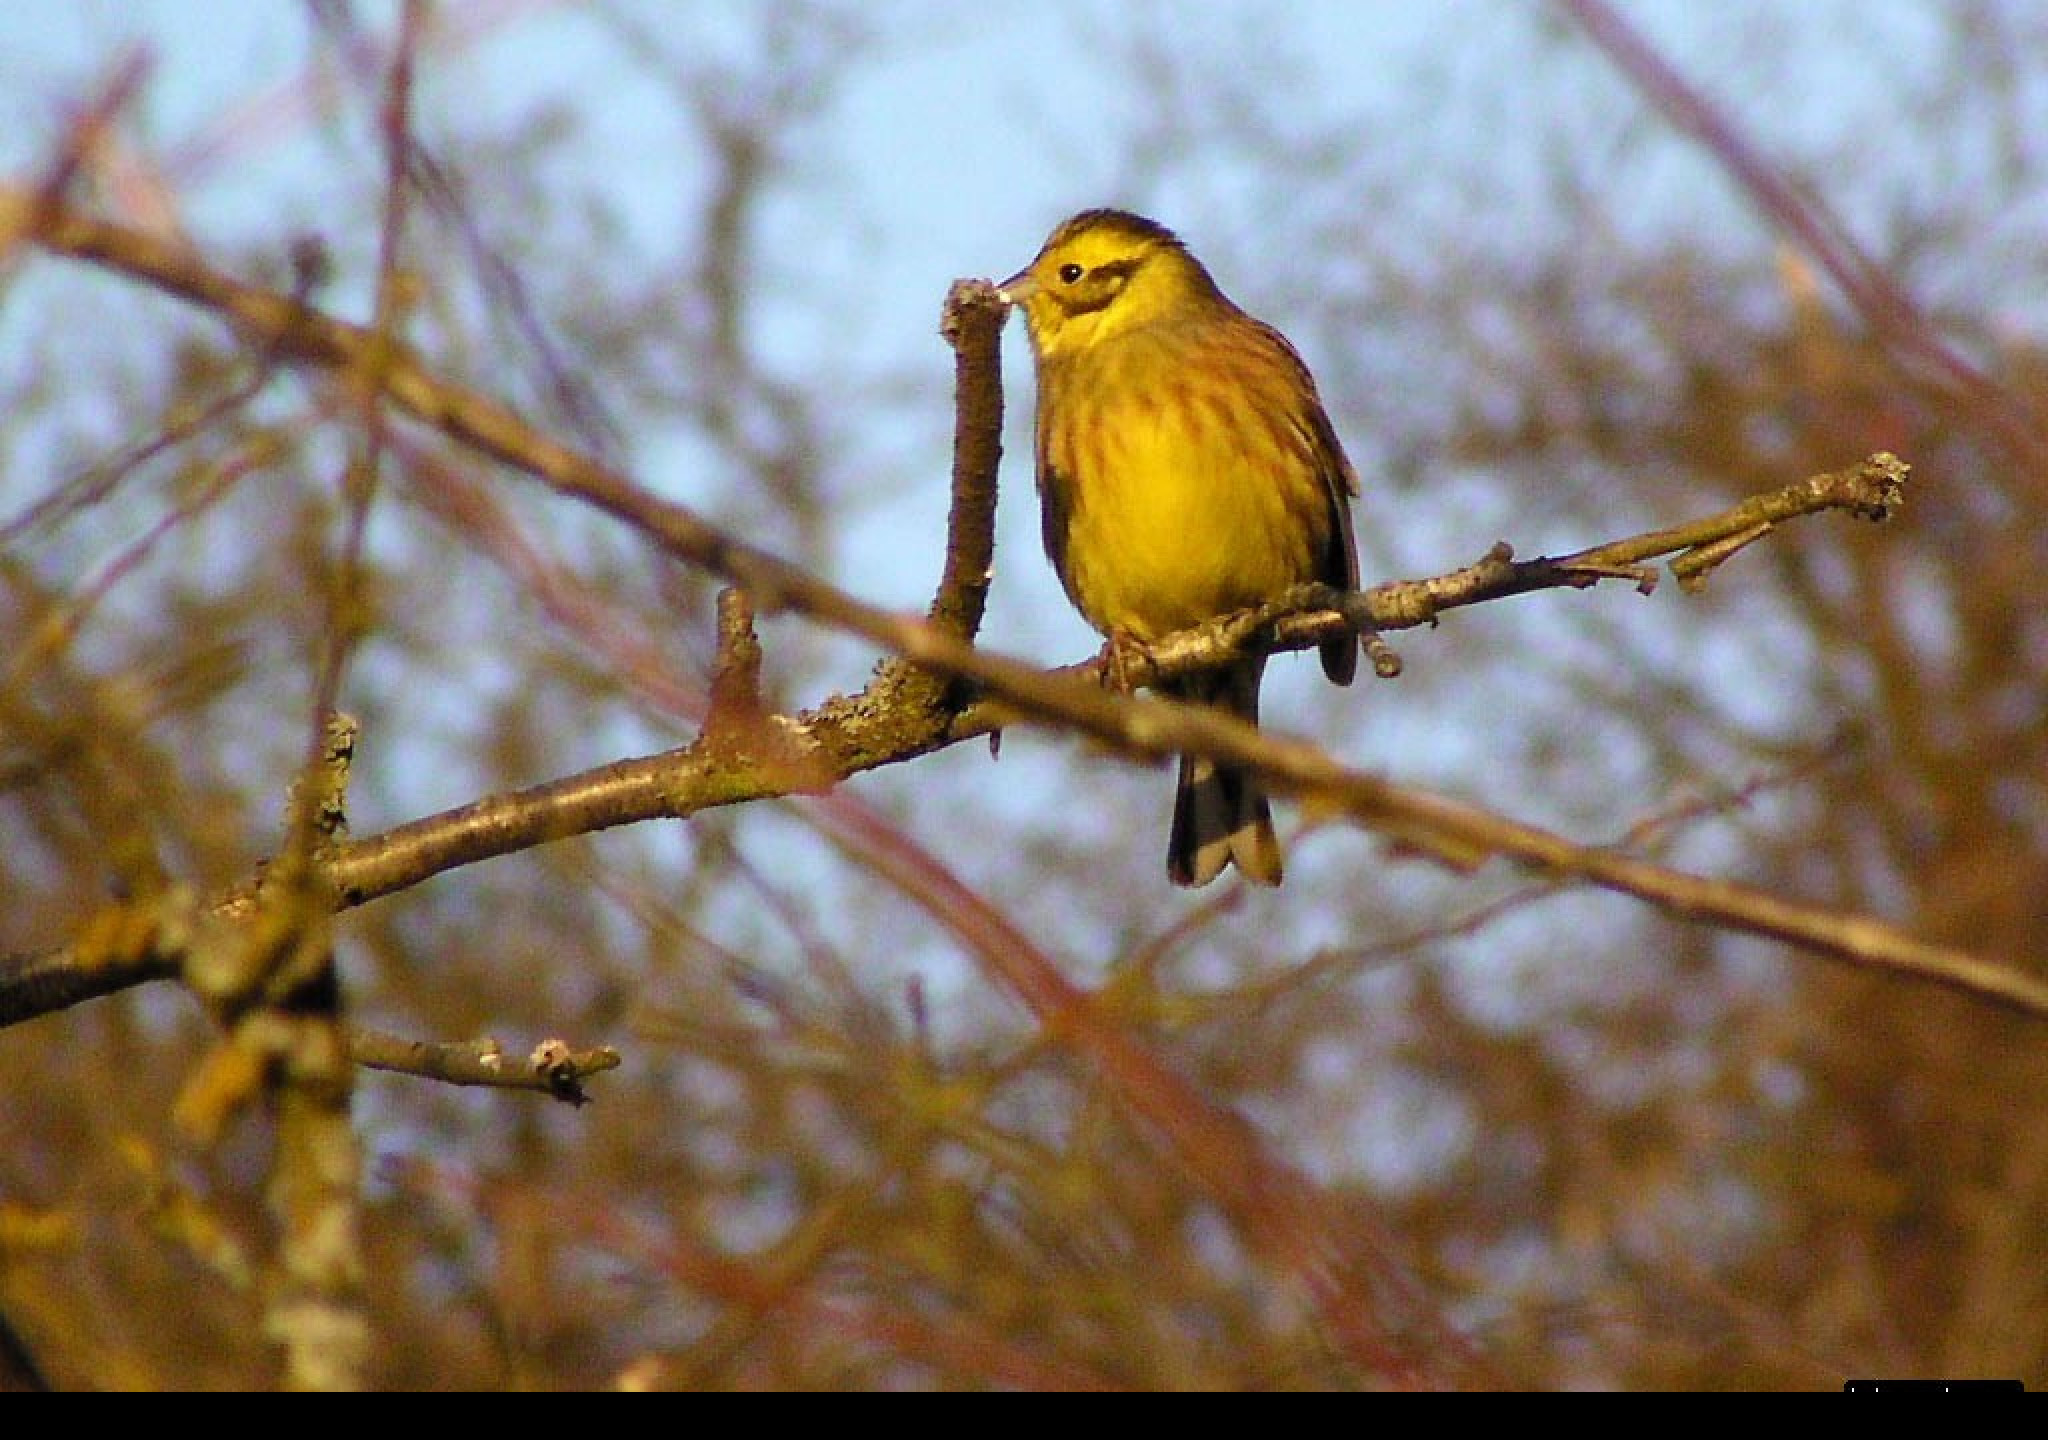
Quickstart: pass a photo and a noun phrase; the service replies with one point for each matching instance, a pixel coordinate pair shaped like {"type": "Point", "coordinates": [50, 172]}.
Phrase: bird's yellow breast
{"type": "Point", "coordinates": [1182, 479]}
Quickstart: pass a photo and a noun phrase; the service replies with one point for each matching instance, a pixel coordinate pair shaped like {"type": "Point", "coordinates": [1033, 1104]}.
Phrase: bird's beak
{"type": "Point", "coordinates": [1017, 289]}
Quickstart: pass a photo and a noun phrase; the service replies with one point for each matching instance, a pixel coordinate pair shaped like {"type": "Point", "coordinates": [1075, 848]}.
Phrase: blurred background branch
{"type": "Point", "coordinates": [928, 1080]}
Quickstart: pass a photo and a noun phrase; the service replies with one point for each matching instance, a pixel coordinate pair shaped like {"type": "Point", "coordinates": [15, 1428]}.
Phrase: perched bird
{"type": "Point", "coordinates": [1186, 470]}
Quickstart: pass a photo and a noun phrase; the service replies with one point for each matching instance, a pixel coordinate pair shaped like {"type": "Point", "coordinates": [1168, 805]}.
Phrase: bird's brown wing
{"type": "Point", "coordinates": [1339, 564]}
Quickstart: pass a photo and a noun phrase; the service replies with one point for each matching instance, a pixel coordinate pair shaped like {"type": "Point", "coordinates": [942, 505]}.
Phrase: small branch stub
{"type": "Point", "coordinates": [736, 708]}
{"type": "Point", "coordinates": [1874, 489]}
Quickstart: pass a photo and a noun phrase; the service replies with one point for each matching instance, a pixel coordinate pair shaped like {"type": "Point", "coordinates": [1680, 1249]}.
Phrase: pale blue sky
{"type": "Point", "coordinates": [969, 131]}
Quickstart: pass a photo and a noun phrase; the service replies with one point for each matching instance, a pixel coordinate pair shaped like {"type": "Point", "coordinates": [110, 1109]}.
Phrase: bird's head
{"type": "Point", "coordinates": [1104, 272]}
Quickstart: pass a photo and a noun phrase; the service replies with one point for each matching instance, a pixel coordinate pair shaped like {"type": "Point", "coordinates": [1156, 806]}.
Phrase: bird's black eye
{"type": "Point", "coordinates": [1070, 272]}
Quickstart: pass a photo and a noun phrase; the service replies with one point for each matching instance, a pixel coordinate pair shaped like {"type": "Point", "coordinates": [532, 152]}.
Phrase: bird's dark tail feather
{"type": "Point", "coordinates": [1220, 815]}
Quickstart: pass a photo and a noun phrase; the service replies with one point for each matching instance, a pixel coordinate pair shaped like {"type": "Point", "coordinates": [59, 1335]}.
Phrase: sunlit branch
{"type": "Point", "coordinates": [846, 736]}
{"type": "Point", "coordinates": [552, 1068]}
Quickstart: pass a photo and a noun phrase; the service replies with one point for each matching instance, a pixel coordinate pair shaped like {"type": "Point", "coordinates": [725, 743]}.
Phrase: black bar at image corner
{"type": "Point", "coordinates": [1925, 1387]}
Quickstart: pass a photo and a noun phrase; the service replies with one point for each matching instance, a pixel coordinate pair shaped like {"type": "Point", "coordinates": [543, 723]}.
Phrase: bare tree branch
{"type": "Point", "coordinates": [552, 1067]}
{"type": "Point", "coordinates": [845, 736]}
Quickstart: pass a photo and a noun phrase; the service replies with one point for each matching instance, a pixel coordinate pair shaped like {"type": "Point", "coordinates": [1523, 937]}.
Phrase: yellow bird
{"type": "Point", "coordinates": [1186, 469]}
